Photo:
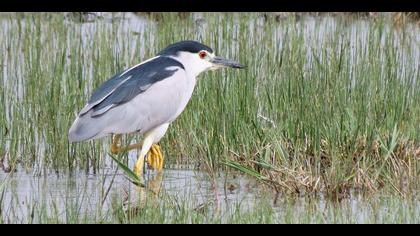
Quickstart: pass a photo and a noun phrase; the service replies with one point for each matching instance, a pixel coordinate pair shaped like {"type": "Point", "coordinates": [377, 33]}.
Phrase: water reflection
{"type": "Point", "coordinates": [89, 193]}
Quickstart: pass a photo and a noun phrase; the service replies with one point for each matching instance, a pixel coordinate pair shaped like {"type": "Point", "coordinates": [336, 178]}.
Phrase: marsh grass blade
{"type": "Point", "coordinates": [244, 169]}
{"type": "Point", "coordinates": [129, 173]}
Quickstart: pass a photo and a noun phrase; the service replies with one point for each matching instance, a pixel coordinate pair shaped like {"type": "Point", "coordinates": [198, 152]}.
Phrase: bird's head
{"type": "Point", "coordinates": [197, 57]}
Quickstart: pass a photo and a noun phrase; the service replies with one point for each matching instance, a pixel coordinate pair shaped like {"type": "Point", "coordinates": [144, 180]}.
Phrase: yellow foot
{"type": "Point", "coordinates": [155, 158]}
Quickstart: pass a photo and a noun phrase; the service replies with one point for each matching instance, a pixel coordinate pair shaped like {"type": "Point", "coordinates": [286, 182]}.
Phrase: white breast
{"type": "Point", "coordinates": [186, 94]}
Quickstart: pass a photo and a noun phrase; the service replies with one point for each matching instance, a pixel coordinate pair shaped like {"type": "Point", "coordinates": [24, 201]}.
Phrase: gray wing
{"type": "Point", "coordinates": [108, 109]}
{"type": "Point", "coordinates": [126, 85]}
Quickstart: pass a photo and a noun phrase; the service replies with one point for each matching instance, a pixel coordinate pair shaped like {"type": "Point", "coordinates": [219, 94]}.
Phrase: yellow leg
{"type": "Point", "coordinates": [138, 167]}
{"type": "Point", "coordinates": [154, 154]}
{"type": "Point", "coordinates": [155, 158]}
{"type": "Point", "coordinates": [116, 148]}
{"type": "Point", "coordinates": [115, 144]}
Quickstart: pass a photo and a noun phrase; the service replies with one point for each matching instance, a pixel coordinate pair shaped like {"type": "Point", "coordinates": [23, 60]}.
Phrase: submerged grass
{"type": "Point", "coordinates": [173, 209]}
{"type": "Point", "coordinates": [325, 105]}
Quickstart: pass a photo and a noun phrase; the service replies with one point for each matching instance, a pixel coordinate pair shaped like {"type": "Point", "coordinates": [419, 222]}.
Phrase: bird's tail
{"type": "Point", "coordinates": [85, 128]}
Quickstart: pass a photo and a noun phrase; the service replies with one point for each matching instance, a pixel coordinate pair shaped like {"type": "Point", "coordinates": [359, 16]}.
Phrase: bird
{"type": "Point", "coordinates": [146, 99]}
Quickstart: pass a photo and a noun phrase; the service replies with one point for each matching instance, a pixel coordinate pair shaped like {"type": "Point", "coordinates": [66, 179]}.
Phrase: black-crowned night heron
{"type": "Point", "coordinates": [146, 98]}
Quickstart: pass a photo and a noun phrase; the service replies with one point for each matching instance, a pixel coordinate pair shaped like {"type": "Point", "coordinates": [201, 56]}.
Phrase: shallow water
{"type": "Point", "coordinates": [81, 194]}
{"type": "Point", "coordinates": [93, 192]}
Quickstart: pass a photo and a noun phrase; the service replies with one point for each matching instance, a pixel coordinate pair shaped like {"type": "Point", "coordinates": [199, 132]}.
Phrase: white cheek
{"type": "Point", "coordinates": [203, 64]}
{"type": "Point", "coordinates": [193, 64]}
{"type": "Point", "coordinates": [209, 65]}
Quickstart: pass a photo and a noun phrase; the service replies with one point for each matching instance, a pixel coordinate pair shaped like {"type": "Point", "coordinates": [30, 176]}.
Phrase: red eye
{"type": "Point", "coordinates": [202, 55]}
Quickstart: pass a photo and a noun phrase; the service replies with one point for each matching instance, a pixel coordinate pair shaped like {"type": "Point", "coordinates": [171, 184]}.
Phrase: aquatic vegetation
{"type": "Point", "coordinates": [326, 105]}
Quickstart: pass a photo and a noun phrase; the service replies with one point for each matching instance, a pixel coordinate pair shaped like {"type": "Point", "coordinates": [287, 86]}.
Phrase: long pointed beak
{"type": "Point", "coordinates": [220, 62]}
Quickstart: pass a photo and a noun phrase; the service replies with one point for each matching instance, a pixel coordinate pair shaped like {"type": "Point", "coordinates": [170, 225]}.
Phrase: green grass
{"type": "Point", "coordinates": [327, 110]}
